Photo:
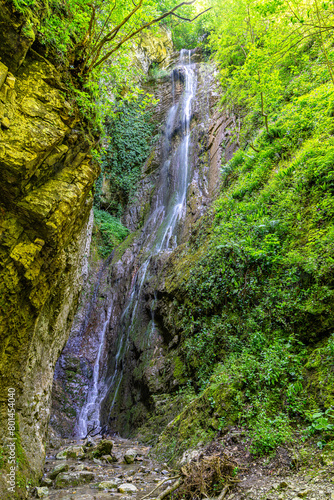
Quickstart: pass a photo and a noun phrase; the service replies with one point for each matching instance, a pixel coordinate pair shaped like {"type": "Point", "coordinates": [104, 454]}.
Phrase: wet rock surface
{"type": "Point", "coordinates": [89, 478]}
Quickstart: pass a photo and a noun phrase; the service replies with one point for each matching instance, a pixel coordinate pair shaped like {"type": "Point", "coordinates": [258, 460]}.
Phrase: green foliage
{"type": "Point", "coordinates": [255, 302]}
{"type": "Point", "coordinates": [2, 457]}
{"type": "Point", "coordinates": [111, 231]}
{"type": "Point", "coordinates": [268, 433]}
{"type": "Point", "coordinates": [320, 421]}
{"type": "Point", "coordinates": [260, 45]}
{"type": "Point", "coordinates": [129, 142]}
{"type": "Point", "coordinates": [93, 42]}
{"type": "Point", "coordinates": [186, 35]}
{"type": "Point", "coordinates": [156, 73]}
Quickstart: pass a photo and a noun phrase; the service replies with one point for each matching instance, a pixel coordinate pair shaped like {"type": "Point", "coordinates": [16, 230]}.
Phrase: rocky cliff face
{"type": "Point", "coordinates": [151, 365]}
{"type": "Point", "coordinates": [46, 178]}
{"type": "Point", "coordinates": [155, 50]}
{"type": "Point", "coordinates": [150, 357]}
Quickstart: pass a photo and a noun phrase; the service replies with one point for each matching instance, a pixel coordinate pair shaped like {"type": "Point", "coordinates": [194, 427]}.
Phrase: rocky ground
{"type": "Point", "coordinates": [100, 469]}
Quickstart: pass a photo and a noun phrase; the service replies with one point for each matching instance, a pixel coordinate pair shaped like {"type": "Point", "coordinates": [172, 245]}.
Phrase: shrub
{"type": "Point", "coordinates": [111, 231]}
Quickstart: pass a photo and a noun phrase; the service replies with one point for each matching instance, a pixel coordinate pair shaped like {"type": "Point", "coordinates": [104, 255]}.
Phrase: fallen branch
{"type": "Point", "coordinates": [172, 488]}
{"type": "Point", "coordinates": [254, 148]}
{"type": "Point", "coordinates": [223, 492]}
{"type": "Point", "coordinates": [89, 432]}
{"type": "Point", "coordinates": [159, 484]}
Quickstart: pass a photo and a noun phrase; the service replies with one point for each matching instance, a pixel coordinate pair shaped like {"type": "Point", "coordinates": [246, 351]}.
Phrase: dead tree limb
{"type": "Point", "coordinates": [171, 488]}
{"type": "Point", "coordinates": [158, 486]}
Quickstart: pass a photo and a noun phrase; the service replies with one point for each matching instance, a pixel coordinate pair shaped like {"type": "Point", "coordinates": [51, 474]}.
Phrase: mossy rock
{"type": "Point", "coordinates": [109, 485]}
{"type": "Point", "coordinates": [71, 479]}
{"type": "Point", "coordinates": [104, 447]}
{"type": "Point", "coordinates": [58, 469]}
{"type": "Point", "coordinates": [319, 374]}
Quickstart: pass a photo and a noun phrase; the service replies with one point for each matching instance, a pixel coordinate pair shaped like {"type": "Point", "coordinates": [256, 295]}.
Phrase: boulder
{"type": "Point", "coordinates": [103, 448]}
{"type": "Point", "coordinates": [109, 485]}
{"type": "Point", "coordinates": [42, 492]}
{"type": "Point", "coordinates": [127, 488]}
{"type": "Point", "coordinates": [80, 467]}
{"type": "Point", "coordinates": [109, 458]}
{"type": "Point", "coordinates": [71, 479]}
{"type": "Point", "coordinates": [62, 455]}
{"type": "Point", "coordinates": [57, 470]}
{"type": "Point", "coordinates": [130, 456]}
{"type": "Point", "coordinates": [46, 481]}
{"type": "Point", "coordinates": [75, 452]}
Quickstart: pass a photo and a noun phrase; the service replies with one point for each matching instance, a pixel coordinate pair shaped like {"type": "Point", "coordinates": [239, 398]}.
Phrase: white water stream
{"type": "Point", "coordinates": [90, 412]}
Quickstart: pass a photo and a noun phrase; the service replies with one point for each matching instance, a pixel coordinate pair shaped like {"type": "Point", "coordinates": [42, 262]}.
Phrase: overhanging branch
{"type": "Point", "coordinates": [98, 62]}
{"type": "Point", "coordinates": [193, 19]}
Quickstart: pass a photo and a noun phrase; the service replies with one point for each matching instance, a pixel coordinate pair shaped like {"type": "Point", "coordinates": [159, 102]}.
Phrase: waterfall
{"type": "Point", "coordinates": [90, 412]}
{"type": "Point", "coordinates": [158, 235]}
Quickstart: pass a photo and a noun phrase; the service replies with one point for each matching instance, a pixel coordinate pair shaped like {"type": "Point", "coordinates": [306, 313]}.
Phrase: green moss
{"type": "Point", "coordinates": [119, 251]}
{"type": "Point", "coordinates": [319, 373]}
{"type": "Point", "coordinates": [144, 212]}
{"type": "Point", "coordinates": [179, 370]}
{"type": "Point", "coordinates": [198, 423]}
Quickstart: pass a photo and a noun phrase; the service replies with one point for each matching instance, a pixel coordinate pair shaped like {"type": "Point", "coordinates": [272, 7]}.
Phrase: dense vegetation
{"type": "Point", "coordinates": [256, 307]}
{"type": "Point", "coordinates": [129, 141]}
{"type": "Point", "coordinates": [109, 232]}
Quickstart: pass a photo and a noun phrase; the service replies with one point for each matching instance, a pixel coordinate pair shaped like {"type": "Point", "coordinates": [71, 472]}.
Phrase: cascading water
{"type": "Point", "coordinates": [158, 235]}
{"type": "Point", "coordinates": [90, 412]}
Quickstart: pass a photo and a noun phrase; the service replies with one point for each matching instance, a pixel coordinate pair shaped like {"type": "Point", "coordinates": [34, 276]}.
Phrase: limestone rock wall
{"type": "Point", "coordinates": [46, 177]}
{"type": "Point", "coordinates": [155, 49]}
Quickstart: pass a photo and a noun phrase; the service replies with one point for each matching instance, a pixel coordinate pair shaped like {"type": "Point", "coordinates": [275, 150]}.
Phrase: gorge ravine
{"type": "Point", "coordinates": [178, 182]}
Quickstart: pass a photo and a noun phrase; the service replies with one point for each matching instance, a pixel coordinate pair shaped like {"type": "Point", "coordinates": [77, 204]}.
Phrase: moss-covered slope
{"type": "Point", "coordinates": [251, 296]}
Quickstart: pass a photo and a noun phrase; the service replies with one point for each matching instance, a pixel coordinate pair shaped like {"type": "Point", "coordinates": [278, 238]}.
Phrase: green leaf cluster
{"type": "Point", "coordinates": [259, 44]}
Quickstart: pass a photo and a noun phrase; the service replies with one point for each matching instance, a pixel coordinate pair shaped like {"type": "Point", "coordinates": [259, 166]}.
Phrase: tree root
{"type": "Point", "coordinates": [200, 477]}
